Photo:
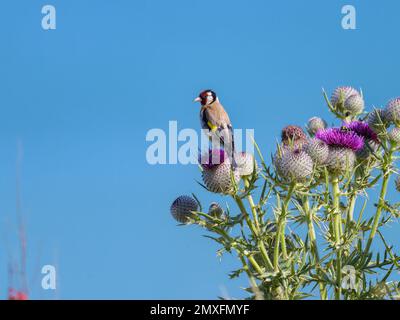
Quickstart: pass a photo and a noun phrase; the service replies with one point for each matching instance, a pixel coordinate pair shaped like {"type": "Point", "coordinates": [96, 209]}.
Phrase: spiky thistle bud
{"type": "Point", "coordinates": [215, 210]}
{"type": "Point", "coordinates": [182, 208]}
{"type": "Point", "coordinates": [217, 173]}
{"type": "Point", "coordinates": [340, 160]}
{"type": "Point", "coordinates": [354, 105]}
{"type": "Point", "coordinates": [317, 150]}
{"type": "Point", "coordinates": [397, 182]}
{"type": "Point", "coordinates": [293, 135]}
{"type": "Point", "coordinates": [341, 94]}
{"type": "Point", "coordinates": [315, 124]}
{"type": "Point", "coordinates": [218, 179]}
{"type": "Point", "coordinates": [347, 100]}
{"type": "Point", "coordinates": [277, 158]}
{"type": "Point", "coordinates": [377, 120]}
{"type": "Point", "coordinates": [392, 110]}
{"type": "Point", "coordinates": [394, 135]}
{"type": "Point", "coordinates": [294, 165]}
{"type": "Point", "coordinates": [245, 163]}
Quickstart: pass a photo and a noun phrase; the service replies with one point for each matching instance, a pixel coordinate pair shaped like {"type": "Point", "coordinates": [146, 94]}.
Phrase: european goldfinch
{"type": "Point", "coordinates": [214, 118]}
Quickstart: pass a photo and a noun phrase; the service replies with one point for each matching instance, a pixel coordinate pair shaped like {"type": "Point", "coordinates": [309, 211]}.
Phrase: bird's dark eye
{"type": "Point", "coordinates": [205, 93]}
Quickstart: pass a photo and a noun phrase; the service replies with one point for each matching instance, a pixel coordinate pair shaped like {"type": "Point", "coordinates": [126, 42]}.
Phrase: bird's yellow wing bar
{"type": "Point", "coordinates": [211, 126]}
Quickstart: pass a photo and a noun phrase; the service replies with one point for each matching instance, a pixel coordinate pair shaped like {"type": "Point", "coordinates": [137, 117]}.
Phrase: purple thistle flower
{"type": "Point", "coordinates": [213, 158]}
{"type": "Point", "coordinates": [337, 137]}
{"type": "Point", "coordinates": [362, 129]}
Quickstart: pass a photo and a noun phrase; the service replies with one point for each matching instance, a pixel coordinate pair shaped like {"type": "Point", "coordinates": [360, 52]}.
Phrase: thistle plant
{"type": "Point", "coordinates": [311, 222]}
{"type": "Point", "coordinates": [392, 111]}
{"type": "Point", "coordinates": [182, 208]}
{"type": "Point", "coordinates": [217, 174]}
{"type": "Point", "coordinates": [315, 124]}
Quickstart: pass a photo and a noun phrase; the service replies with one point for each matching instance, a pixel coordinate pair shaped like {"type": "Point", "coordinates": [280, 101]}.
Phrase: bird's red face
{"type": "Point", "coordinates": [206, 97]}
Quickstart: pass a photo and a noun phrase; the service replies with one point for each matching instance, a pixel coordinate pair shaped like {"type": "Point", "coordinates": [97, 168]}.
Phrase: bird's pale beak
{"type": "Point", "coordinates": [198, 99]}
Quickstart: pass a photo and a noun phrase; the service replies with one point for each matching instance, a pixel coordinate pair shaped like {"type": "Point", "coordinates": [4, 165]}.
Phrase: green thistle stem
{"type": "Point", "coordinates": [261, 246]}
{"type": "Point", "coordinates": [280, 235]}
{"type": "Point", "coordinates": [283, 240]}
{"type": "Point", "coordinates": [313, 242]}
{"type": "Point", "coordinates": [336, 207]}
{"type": "Point", "coordinates": [351, 207]}
{"type": "Point", "coordinates": [255, 264]}
{"type": "Point", "coordinates": [243, 210]}
{"type": "Point", "coordinates": [240, 253]}
{"type": "Point", "coordinates": [252, 207]}
{"type": "Point", "coordinates": [252, 280]}
{"type": "Point", "coordinates": [255, 233]}
{"type": "Point", "coordinates": [386, 176]}
{"type": "Point", "coordinates": [247, 270]}
{"type": "Point", "coordinates": [337, 227]}
{"type": "Point", "coordinates": [310, 225]}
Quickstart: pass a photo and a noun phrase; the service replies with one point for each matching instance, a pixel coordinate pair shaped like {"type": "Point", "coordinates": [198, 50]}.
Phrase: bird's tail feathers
{"type": "Point", "coordinates": [229, 145]}
{"type": "Point", "coordinates": [224, 139]}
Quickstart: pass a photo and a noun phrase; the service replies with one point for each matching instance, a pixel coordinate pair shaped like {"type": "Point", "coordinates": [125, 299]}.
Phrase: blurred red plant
{"type": "Point", "coordinates": [16, 295]}
{"type": "Point", "coordinates": [17, 269]}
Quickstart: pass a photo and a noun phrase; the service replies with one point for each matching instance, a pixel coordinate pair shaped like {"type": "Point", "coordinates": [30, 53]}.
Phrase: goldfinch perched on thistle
{"type": "Point", "coordinates": [215, 120]}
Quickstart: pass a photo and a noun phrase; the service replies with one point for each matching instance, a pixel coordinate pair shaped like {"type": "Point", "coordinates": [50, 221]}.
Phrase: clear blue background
{"type": "Point", "coordinates": [80, 100]}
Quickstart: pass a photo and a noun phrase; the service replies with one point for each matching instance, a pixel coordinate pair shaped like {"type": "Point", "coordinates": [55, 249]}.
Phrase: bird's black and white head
{"type": "Point", "coordinates": [206, 97]}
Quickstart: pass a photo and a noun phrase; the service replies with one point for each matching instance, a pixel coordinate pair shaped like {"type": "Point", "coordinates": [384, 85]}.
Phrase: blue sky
{"type": "Point", "coordinates": [80, 99]}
